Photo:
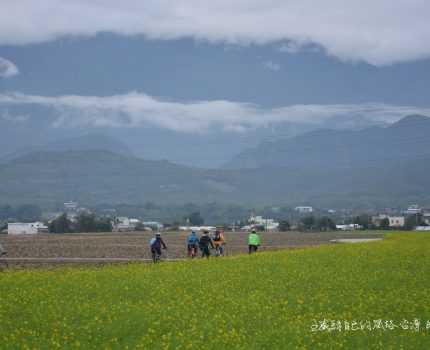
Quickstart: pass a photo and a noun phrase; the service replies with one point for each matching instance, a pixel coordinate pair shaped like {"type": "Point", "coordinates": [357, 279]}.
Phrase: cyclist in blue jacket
{"type": "Point", "coordinates": [192, 244]}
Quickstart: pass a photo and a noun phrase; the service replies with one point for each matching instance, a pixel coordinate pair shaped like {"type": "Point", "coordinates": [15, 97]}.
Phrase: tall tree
{"type": "Point", "coordinates": [325, 224]}
{"type": "Point", "coordinates": [60, 225]}
{"type": "Point", "coordinates": [384, 224]}
{"type": "Point", "coordinates": [87, 222]}
{"type": "Point", "coordinates": [284, 225]}
{"type": "Point", "coordinates": [363, 220]}
{"type": "Point", "coordinates": [196, 219]}
{"type": "Point", "coordinates": [308, 222]}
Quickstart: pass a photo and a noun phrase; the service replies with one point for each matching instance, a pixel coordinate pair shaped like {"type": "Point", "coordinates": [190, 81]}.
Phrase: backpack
{"type": "Point", "coordinates": [204, 241]}
{"type": "Point", "coordinates": [151, 242]}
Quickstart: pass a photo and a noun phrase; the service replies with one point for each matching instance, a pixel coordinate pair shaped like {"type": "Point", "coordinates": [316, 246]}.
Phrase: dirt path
{"type": "Point", "coordinates": [133, 246]}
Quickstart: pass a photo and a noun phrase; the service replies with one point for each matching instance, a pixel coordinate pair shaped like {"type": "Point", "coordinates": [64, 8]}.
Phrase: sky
{"type": "Point", "coordinates": [195, 66]}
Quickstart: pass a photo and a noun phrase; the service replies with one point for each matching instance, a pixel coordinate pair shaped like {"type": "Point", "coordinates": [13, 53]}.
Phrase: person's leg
{"type": "Point", "coordinates": [158, 254]}
{"type": "Point", "coordinates": [249, 249]}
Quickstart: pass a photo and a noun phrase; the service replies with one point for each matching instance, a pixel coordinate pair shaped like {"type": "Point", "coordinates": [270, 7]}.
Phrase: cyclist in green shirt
{"type": "Point", "coordinates": [253, 242]}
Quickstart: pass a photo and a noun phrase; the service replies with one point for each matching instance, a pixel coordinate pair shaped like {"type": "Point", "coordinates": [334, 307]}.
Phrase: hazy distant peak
{"type": "Point", "coordinates": [412, 119]}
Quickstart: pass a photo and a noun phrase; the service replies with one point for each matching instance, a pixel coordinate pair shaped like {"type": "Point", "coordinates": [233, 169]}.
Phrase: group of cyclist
{"type": "Point", "coordinates": [215, 241]}
{"type": "Point", "coordinates": [204, 244]}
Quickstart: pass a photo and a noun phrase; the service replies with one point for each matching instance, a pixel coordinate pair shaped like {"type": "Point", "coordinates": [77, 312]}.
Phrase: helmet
{"type": "Point", "coordinates": [158, 234]}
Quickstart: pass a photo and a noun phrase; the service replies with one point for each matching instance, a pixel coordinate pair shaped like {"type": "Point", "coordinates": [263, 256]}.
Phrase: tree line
{"type": "Point", "coordinates": [85, 222]}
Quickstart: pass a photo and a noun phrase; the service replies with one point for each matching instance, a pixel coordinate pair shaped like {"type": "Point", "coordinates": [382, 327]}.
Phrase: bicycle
{"type": "Point", "coordinates": [219, 249]}
{"type": "Point", "coordinates": [192, 250]}
{"type": "Point", "coordinates": [156, 256]}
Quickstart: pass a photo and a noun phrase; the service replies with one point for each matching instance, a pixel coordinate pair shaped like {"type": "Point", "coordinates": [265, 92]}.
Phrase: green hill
{"type": "Point", "coordinates": [95, 177]}
{"type": "Point", "coordinates": [92, 177]}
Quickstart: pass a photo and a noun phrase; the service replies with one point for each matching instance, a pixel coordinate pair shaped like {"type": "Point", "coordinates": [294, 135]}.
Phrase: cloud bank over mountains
{"type": "Point", "coordinates": [136, 109]}
{"type": "Point", "coordinates": [379, 32]}
{"type": "Point", "coordinates": [7, 68]}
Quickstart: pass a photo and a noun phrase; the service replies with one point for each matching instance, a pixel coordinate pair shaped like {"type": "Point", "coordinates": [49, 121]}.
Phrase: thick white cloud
{"type": "Point", "coordinates": [7, 68]}
{"type": "Point", "coordinates": [138, 109]}
{"type": "Point", "coordinates": [376, 31]}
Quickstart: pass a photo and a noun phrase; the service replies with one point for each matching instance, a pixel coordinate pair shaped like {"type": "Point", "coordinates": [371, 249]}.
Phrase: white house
{"type": "Point", "coordinates": [121, 224]}
{"type": "Point", "coordinates": [71, 206]}
{"type": "Point", "coordinates": [349, 227]}
{"type": "Point", "coordinates": [396, 221]}
{"type": "Point", "coordinates": [197, 228]}
{"type": "Point", "coordinates": [304, 210]}
{"type": "Point", "coordinates": [393, 221]}
{"type": "Point", "coordinates": [422, 228]}
{"type": "Point", "coordinates": [413, 210]}
{"type": "Point", "coordinates": [134, 223]}
{"type": "Point", "coordinates": [23, 228]}
{"type": "Point", "coordinates": [269, 224]}
{"type": "Point", "coordinates": [426, 216]}
{"type": "Point", "coordinates": [154, 225]}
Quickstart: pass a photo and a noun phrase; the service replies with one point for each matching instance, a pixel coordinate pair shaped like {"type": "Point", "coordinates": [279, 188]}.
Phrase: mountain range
{"type": "Point", "coordinates": [38, 129]}
{"type": "Point", "coordinates": [378, 166]}
{"type": "Point", "coordinates": [408, 138]}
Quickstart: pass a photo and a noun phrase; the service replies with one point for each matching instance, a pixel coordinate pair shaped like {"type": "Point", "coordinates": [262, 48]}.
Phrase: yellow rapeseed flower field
{"type": "Point", "coordinates": [361, 296]}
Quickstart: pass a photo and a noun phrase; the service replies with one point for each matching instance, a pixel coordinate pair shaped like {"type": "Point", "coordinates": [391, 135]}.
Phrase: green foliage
{"type": "Point", "coordinates": [308, 222]}
{"type": "Point", "coordinates": [412, 221]}
{"type": "Point", "coordinates": [103, 224]}
{"type": "Point", "coordinates": [325, 224]}
{"type": "Point", "coordinates": [60, 225]}
{"type": "Point", "coordinates": [363, 220]}
{"type": "Point", "coordinates": [284, 225]}
{"type": "Point", "coordinates": [263, 301]}
{"type": "Point", "coordinates": [88, 222]}
{"type": "Point", "coordinates": [195, 219]}
{"type": "Point", "coordinates": [384, 224]}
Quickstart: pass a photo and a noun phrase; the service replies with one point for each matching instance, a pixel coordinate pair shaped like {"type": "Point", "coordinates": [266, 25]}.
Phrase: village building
{"type": "Point", "coordinates": [121, 224]}
{"type": "Point", "coordinates": [413, 209]}
{"type": "Point", "coordinates": [393, 221]}
{"type": "Point", "coordinates": [349, 227]}
{"type": "Point", "coordinates": [268, 224]}
{"type": "Point", "coordinates": [23, 228]}
{"type": "Point", "coordinates": [304, 210]}
{"type": "Point", "coordinates": [396, 221]}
